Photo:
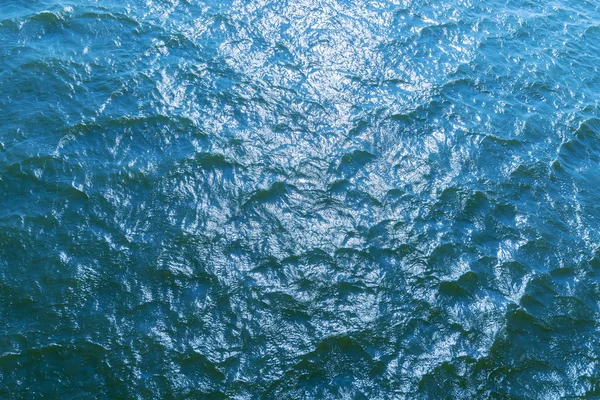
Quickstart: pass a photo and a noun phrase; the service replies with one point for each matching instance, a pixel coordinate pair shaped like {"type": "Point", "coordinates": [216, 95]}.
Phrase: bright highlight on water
{"type": "Point", "coordinates": [312, 199]}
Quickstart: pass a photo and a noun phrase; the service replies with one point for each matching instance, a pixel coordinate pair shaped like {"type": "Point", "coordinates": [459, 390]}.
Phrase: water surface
{"type": "Point", "coordinates": [318, 199]}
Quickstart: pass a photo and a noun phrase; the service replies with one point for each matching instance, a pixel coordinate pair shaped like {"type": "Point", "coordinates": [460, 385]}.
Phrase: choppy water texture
{"type": "Point", "coordinates": [318, 199]}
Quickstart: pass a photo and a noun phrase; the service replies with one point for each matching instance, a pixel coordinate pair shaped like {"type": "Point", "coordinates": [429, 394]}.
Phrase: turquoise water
{"type": "Point", "coordinates": [312, 199]}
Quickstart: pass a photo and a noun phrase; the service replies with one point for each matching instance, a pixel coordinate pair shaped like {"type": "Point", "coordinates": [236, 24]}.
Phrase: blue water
{"type": "Point", "coordinates": [312, 199]}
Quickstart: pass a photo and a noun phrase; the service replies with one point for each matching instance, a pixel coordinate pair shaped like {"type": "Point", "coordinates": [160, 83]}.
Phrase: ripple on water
{"type": "Point", "coordinates": [299, 199]}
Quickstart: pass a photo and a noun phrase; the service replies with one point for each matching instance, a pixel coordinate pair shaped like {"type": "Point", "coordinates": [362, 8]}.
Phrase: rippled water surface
{"type": "Point", "coordinates": [311, 199]}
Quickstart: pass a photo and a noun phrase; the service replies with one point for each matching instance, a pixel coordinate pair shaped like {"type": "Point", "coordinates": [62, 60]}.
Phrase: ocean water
{"type": "Point", "coordinates": [311, 199]}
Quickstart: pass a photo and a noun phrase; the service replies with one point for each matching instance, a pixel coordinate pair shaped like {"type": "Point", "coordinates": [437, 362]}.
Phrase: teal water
{"type": "Point", "coordinates": [312, 199]}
